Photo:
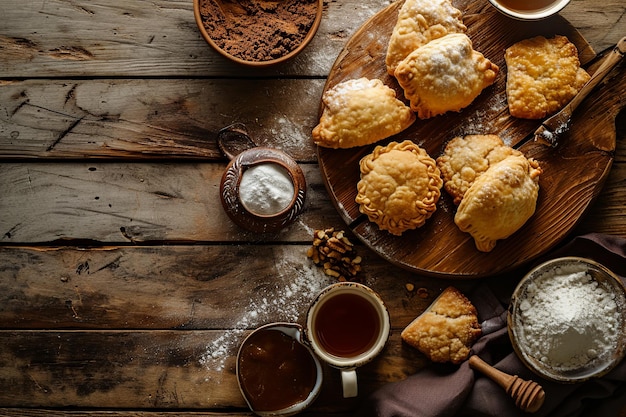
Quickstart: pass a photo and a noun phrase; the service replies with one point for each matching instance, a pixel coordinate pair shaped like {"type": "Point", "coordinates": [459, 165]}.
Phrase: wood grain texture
{"type": "Point", "coordinates": [207, 287]}
{"type": "Point", "coordinates": [586, 154]}
{"type": "Point", "coordinates": [56, 38]}
{"type": "Point", "coordinates": [148, 370]}
{"type": "Point", "coordinates": [146, 38]}
{"type": "Point", "coordinates": [124, 288]}
{"type": "Point", "coordinates": [152, 119]}
{"type": "Point", "coordinates": [135, 203]}
{"type": "Point", "coordinates": [173, 352]}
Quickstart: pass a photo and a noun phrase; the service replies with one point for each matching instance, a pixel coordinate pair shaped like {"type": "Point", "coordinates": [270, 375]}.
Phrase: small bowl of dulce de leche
{"type": "Point", "coordinates": [567, 320]}
{"type": "Point", "coordinates": [278, 374]}
{"type": "Point", "coordinates": [529, 9]}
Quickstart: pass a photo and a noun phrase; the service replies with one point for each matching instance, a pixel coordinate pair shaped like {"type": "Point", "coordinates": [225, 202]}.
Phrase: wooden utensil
{"type": "Point", "coordinates": [552, 128]}
{"type": "Point", "coordinates": [528, 395]}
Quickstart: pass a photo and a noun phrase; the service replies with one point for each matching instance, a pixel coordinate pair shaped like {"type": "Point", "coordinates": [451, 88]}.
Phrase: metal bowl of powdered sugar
{"type": "Point", "coordinates": [567, 320]}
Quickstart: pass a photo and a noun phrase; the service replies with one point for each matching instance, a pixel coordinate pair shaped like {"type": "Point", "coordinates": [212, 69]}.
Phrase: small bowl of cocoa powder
{"type": "Point", "coordinates": [258, 33]}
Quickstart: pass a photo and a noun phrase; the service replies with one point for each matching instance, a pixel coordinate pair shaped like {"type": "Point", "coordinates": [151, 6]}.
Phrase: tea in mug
{"type": "Point", "coordinates": [347, 325]}
{"type": "Point", "coordinates": [526, 5]}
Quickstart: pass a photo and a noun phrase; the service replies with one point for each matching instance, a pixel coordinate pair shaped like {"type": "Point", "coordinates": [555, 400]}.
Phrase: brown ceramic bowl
{"type": "Point", "coordinates": [247, 215]}
{"type": "Point", "coordinates": [552, 280]}
{"type": "Point", "coordinates": [233, 7]}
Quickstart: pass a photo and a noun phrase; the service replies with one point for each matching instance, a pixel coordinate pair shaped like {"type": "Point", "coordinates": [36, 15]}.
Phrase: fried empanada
{"type": "Point", "coordinates": [465, 158]}
{"type": "Point", "coordinates": [419, 22]}
{"type": "Point", "coordinates": [360, 112]}
{"type": "Point", "coordinates": [543, 76]}
{"type": "Point", "coordinates": [500, 201]}
{"type": "Point", "coordinates": [446, 74]}
{"type": "Point", "coordinates": [446, 331]}
{"type": "Point", "coordinates": [399, 187]}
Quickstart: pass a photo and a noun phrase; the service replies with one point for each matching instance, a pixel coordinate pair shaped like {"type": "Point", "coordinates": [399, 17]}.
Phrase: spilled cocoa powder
{"type": "Point", "coordinates": [258, 30]}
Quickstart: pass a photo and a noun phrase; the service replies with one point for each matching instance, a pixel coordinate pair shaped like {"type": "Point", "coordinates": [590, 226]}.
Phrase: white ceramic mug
{"type": "Point", "coordinates": [525, 10]}
{"type": "Point", "coordinates": [347, 325]}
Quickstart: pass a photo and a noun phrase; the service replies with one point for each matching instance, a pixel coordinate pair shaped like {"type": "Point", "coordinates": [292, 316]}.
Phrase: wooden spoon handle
{"type": "Point", "coordinates": [609, 62]}
{"type": "Point", "coordinates": [501, 378]}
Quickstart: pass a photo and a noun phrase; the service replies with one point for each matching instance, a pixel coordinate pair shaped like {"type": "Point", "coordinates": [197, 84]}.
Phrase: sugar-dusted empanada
{"type": "Point", "coordinates": [419, 22]}
{"type": "Point", "coordinates": [543, 75]}
{"type": "Point", "coordinates": [446, 331]}
{"type": "Point", "coordinates": [399, 187]}
{"type": "Point", "coordinates": [500, 201]}
{"type": "Point", "coordinates": [465, 158]}
{"type": "Point", "coordinates": [360, 112]}
{"type": "Point", "coordinates": [446, 74]}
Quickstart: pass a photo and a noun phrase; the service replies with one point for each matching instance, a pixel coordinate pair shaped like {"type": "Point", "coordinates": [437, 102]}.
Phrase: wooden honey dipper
{"type": "Point", "coordinates": [528, 395]}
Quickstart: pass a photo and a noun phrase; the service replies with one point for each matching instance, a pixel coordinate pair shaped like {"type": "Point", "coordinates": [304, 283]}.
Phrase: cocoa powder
{"type": "Point", "coordinates": [258, 30]}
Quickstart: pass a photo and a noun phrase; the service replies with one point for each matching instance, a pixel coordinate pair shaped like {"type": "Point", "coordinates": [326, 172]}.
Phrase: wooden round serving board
{"type": "Point", "coordinates": [573, 173]}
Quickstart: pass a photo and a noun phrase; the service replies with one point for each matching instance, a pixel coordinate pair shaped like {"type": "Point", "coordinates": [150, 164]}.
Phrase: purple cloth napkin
{"type": "Point", "coordinates": [441, 391]}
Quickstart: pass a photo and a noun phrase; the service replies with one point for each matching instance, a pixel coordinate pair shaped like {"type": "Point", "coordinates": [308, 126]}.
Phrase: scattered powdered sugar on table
{"type": "Point", "coordinates": [285, 298]}
{"type": "Point", "coordinates": [568, 319]}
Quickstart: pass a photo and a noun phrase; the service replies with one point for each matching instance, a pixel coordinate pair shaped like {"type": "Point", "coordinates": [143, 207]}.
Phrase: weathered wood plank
{"type": "Point", "coordinates": [60, 412]}
{"type": "Point", "coordinates": [207, 287]}
{"type": "Point", "coordinates": [148, 370]}
{"type": "Point", "coordinates": [153, 118]}
{"type": "Point", "coordinates": [63, 412]}
{"type": "Point", "coordinates": [147, 38]}
{"type": "Point", "coordinates": [133, 202]}
{"type": "Point", "coordinates": [160, 38]}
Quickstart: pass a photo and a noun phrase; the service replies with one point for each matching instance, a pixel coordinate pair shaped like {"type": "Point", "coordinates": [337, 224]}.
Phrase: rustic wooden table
{"type": "Point", "coordinates": [124, 287]}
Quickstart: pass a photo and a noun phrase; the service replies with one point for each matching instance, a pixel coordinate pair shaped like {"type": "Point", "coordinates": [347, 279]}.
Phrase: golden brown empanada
{"type": "Point", "coordinates": [360, 112]}
{"type": "Point", "coordinates": [500, 201]}
{"type": "Point", "coordinates": [399, 187]}
{"type": "Point", "coordinates": [446, 74]}
{"type": "Point", "coordinates": [447, 329]}
{"type": "Point", "coordinates": [419, 22]}
{"type": "Point", "coordinates": [465, 158]}
{"type": "Point", "coordinates": [543, 76]}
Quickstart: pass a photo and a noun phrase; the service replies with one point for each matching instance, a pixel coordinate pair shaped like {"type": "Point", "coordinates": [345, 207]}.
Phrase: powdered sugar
{"type": "Point", "coordinates": [285, 298]}
{"type": "Point", "coordinates": [568, 319]}
{"type": "Point", "coordinates": [266, 189]}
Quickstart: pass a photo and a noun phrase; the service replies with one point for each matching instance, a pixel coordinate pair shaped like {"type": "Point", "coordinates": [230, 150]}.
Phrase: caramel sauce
{"type": "Point", "coordinates": [275, 371]}
{"type": "Point", "coordinates": [347, 325]}
{"type": "Point", "coordinates": [526, 5]}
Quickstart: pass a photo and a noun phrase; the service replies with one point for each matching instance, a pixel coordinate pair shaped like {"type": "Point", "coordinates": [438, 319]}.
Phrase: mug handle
{"type": "Point", "coordinates": [349, 383]}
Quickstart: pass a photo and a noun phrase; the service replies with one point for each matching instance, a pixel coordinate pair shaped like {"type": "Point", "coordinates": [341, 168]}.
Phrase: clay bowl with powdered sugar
{"type": "Point", "coordinates": [258, 33]}
{"type": "Point", "coordinates": [567, 320]}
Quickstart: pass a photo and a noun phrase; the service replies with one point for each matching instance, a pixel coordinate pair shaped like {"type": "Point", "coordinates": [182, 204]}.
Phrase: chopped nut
{"type": "Point", "coordinates": [332, 273]}
{"type": "Point", "coordinates": [409, 287]}
{"type": "Point", "coordinates": [335, 253]}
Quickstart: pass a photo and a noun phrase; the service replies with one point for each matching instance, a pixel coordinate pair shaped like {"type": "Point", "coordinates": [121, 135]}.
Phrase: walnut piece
{"type": "Point", "coordinates": [335, 253]}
